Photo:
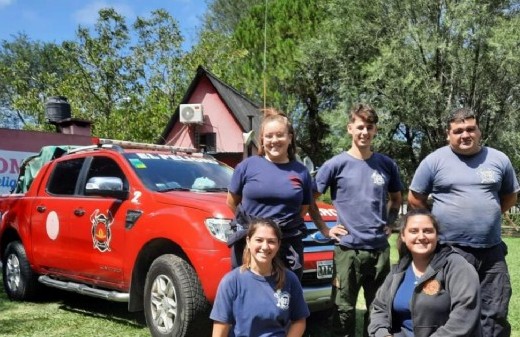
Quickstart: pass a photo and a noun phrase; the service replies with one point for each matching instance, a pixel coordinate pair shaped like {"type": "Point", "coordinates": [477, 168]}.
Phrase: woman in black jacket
{"type": "Point", "coordinates": [432, 291]}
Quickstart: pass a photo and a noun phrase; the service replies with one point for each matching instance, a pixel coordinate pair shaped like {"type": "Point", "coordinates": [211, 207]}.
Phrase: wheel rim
{"type": "Point", "coordinates": [12, 272]}
{"type": "Point", "coordinates": [163, 303]}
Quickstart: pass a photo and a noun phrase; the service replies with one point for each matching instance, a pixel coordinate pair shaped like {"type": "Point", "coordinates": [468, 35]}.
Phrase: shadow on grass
{"type": "Point", "coordinates": [320, 324]}
{"type": "Point", "coordinates": [99, 308]}
{"type": "Point", "coordinates": [74, 303]}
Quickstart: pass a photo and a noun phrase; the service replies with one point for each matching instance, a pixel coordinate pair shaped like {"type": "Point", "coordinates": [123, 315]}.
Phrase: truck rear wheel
{"type": "Point", "coordinates": [20, 282]}
{"type": "Point", "coordinates": [174, 303]}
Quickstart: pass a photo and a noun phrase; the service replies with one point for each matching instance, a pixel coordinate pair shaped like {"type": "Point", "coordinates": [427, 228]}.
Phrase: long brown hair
{"type": "Point", "coordinates": [278, 266]}
{"type": "Point", "coordinates": [270, 115]}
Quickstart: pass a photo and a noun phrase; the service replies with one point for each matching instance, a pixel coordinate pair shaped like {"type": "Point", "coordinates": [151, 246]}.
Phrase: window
{"type": "Point", "coordinates": [65, 176]}
{"type": "Point", "coordinates": [106, 167]}
{"type": "Point", "coordinates": [208, 142]}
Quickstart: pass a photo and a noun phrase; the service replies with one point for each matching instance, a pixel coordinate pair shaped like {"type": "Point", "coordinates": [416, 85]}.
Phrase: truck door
{"type": "Point", "coordinates": [50, 214]}
{"type": "Point", "coordinates": [97, 227]}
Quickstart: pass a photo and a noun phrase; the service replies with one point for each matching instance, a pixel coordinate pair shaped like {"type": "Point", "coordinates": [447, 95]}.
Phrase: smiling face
{"type": "Point", "coordinates": [263, 245]}
{"type": "Point", "coordinates": [362, 132]}
{"type": "Point", "coordinates": [464, 136]}
{"type": "Point", "coordinates": [420, 235]}
{"type": "Point", "coordinates": [276, 140]}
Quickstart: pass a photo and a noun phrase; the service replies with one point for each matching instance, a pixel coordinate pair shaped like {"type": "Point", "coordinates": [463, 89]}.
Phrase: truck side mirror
{"type": "Point", "coordinates": [107, 187]}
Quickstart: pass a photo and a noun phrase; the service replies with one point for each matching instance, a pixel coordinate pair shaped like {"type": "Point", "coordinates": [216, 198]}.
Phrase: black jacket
{"type": "Point", "coordinates": [446, 303]}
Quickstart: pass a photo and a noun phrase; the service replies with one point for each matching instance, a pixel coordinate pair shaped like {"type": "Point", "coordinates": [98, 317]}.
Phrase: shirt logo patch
{"type": "Point", "coordinates": [378, 178]}
{"type": "Point", "coordinates": [487, 176]}
{"type": "Point", "coordinates": [431, 287]}
{"type": "Point", "coordinates": [296, 181]}
{"type": "Point", "coordinates": [282, 299]}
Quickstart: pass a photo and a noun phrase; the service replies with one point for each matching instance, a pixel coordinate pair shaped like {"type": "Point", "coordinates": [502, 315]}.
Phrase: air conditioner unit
{"type": "Point", "coordinates": [191, 113]}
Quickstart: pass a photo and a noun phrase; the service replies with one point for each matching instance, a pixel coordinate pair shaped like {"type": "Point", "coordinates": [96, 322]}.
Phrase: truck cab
{"type": "Point", "coordinates": [137, 223]}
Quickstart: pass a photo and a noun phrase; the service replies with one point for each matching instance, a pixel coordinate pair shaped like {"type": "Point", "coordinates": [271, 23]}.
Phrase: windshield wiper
{"type": "Point", "coordinates": [174, 189]}
{"type": "Point", "coordinates": [214, 189]}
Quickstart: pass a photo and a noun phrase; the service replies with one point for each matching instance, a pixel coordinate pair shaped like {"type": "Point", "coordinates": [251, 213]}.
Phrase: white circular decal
{"type": "Point", "coordinates": [53, 225]}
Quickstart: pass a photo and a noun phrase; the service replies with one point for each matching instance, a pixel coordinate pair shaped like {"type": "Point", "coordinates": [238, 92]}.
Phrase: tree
{"type": "Point", "coordinates": [162, 70]}
{"type": "Point", "coordinates": [262, 51]}
{"type": "Point", "coordinates": [417, 60]}
{"type": "Point", "coordinates": [30, 71]}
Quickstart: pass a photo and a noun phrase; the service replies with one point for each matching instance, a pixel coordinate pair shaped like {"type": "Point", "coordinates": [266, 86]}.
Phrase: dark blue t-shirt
{"type": "Point", "coordinates": [403, 297]}
{"type": "Point", "coordinates": [359, 191]}
{"type": "Point", "coordinates": [270, 190]}
{"type": "Point", "coordinates": [253, 306]}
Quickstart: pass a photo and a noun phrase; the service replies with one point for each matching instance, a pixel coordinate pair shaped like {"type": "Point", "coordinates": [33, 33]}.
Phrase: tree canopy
{"type": "Point", "coordinates": [414, 61]}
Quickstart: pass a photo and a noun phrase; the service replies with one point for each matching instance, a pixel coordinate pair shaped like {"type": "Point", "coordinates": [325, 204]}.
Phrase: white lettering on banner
{"type": "Point", "coordinates": [10, 162]}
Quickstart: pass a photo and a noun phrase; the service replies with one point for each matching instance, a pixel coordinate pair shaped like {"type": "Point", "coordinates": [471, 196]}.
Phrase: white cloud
{"type": "Point", "coordinates": [5, 3]}
{"type": "Point", "coordinates": [88, 15]}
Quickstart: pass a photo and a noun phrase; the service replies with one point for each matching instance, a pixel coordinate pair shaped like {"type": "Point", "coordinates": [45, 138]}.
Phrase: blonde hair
{"type": "Point", "coordinates": [278, 266]}
{"type": "Point", "coordinates": [271, 114]}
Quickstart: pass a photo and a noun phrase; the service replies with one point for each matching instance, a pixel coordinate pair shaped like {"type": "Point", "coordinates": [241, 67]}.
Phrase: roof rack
{"type": "Point", "coordinates": [119, 145]}
{"type": "Point", "coordinates": [145, 146]}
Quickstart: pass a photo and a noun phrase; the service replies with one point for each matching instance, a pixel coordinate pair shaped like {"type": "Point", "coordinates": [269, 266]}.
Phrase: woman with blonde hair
{"type": "Point", "coordinates": [272, 184]}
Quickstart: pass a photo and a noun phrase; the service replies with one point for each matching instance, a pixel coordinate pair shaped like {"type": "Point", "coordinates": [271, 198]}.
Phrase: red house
{"type": "Point", "coordinates": [215, 118]}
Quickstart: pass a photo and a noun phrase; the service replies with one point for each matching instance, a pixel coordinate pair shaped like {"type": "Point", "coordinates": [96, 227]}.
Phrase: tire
{"type": "Point", "coordinates": [20, 282]}
{"type": "Point", "coordinates": [174, 303]}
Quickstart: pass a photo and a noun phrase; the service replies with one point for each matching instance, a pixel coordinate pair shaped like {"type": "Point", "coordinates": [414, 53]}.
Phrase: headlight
{"type": "Point", "coordinates": [219, 228]}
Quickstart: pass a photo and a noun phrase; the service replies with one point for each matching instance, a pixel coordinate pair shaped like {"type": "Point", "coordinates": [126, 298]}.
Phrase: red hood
{"type": "Point", "coordinates": [207, 201]}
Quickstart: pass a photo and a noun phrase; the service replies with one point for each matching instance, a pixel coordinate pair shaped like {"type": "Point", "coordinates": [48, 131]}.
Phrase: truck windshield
{"type": "Point", "coordinates": [169, 172]}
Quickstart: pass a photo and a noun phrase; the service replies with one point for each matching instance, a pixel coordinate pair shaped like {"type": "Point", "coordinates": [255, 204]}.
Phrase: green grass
{"type": "Point", "coordinates": [60, 313]}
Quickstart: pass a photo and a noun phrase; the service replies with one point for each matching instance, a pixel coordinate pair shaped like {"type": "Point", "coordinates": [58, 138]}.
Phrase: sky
{"type": "Point", "coordinates": [58, 20]}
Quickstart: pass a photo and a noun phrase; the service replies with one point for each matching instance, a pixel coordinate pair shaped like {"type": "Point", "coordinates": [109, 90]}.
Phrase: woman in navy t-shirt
{"type": "Point", "coordinates": [274, 185]}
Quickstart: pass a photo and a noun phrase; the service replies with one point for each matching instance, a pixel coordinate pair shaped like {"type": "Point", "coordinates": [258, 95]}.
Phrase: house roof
{"type": "Point", "coordinates": [240, 106]}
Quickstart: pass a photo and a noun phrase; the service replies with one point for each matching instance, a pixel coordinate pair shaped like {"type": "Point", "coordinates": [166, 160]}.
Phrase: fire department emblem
{"type": "Point", "coordinates": [101, 233]}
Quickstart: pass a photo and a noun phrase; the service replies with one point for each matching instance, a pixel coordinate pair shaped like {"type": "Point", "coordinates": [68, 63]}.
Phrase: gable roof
{"type": "Point", "coordinates": [240, 106]}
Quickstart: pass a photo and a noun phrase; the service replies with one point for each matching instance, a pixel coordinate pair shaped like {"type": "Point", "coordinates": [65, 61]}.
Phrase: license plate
{"type": "Point", "coordinates": [324, 269]}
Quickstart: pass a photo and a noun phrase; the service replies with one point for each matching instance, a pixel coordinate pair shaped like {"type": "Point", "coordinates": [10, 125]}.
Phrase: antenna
{"type": "Point", "coordinates": [265, 52]}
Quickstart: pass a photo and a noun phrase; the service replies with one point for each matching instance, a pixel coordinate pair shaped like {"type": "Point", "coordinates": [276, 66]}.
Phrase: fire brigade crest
{"type": "Point", "coordinates": [101, 233]}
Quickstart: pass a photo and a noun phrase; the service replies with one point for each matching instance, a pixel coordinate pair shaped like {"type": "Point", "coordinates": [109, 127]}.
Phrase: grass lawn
{"type": "Point", "coordinates": [60, 313]}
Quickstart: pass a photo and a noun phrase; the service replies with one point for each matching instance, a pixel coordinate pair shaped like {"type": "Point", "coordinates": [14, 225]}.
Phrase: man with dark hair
{"type": "Point", "coordinates": [366, 192]}
{"type": "Point", "coordinates": [471, 185]}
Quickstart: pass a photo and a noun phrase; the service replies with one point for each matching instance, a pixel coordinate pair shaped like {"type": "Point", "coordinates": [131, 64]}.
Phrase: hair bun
{"type": "Point", "coordinates": [268, 112]}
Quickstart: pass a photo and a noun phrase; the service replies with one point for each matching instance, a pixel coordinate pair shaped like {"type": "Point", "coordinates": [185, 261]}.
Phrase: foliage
{"type": "Point", "coordinates": [127, 81]}
{"type": "Point", "coordinates": [263, 48]}
{"type": "Point", "coordinates": [29, 72]}
{"type": "Point", "coordinates": [416, 61]}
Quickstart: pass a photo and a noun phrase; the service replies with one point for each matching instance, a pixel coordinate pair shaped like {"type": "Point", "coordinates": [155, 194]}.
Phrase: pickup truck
{"type": "Point", "coordinates": [137, 223]}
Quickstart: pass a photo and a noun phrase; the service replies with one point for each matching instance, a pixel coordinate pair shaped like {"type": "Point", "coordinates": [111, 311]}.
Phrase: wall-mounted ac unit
{"type": "Point", "coordinates": [191, 113]}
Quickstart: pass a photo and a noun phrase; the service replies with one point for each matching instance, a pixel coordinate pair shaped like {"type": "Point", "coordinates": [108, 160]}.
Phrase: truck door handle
{"type": "Point", "coordinates": [79, 212]}
{"type": "Point", "coordinates": [41, 209]}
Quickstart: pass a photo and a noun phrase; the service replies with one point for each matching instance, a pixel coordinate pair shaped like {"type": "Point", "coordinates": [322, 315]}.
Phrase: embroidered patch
{"type": "Point", "coordinates": [378, 179]}
{"type": "Point", "coordinates": [283, 299]}
{"type": "Point", "coordinates": [431, 287]}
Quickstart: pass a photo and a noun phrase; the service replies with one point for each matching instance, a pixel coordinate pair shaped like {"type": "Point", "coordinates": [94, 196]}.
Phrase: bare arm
{"type": "Point", "coordinates": [314, 212]}
{"type": "Point", "coordinates": [304, 210]}
{"type": "Point", "coordinates": [507, 201]}
{"type": "Point", "coordinates": [417, 200]}
{"type": "Point", "coordinates": [233, 200]}
{"type": "Point", "coordinates": [394, 205]}
{"type": "Point", "coordinates": [296, 329]}
{"type": "Point", "coordinates": [220, 329]}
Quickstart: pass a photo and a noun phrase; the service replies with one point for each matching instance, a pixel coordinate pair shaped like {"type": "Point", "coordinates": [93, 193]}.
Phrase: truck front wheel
{"type": "Point", "coordinates": [174, 303]}
{"type": "Point", "coordinates": [20, 282]}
